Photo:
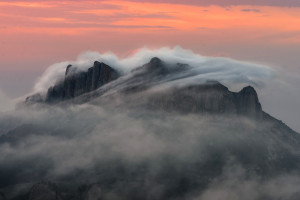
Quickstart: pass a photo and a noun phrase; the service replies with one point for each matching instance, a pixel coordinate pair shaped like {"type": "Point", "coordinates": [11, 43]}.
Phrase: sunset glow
{"type": "Point", "coordinates": [79, 17]}
{"type": "Point", "coordinates": [34, 34]}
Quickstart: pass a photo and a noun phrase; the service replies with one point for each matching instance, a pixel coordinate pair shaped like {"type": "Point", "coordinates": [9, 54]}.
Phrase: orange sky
{"type": "Point", "coordinates": [35, 34]}
{"type": "Point", "coordinates": [80, 17]}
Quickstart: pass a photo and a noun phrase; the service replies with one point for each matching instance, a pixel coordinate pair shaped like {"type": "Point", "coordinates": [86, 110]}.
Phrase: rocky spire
{"type": "Point", "coordinates": [248, 103]}
{"type": "Point", "coordinates": [77, 83]}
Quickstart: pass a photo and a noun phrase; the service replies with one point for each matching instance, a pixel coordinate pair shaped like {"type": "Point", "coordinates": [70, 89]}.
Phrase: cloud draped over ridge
{"type": "Point", "coordinates": [225, 70]}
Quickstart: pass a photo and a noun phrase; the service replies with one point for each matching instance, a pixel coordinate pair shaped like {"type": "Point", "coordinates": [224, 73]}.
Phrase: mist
{"type": "Point", "coordinates": [147, 153]}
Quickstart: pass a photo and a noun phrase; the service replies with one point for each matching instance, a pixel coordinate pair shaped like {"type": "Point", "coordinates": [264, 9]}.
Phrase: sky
{"type": "Point", "coordinates": [36, 34]}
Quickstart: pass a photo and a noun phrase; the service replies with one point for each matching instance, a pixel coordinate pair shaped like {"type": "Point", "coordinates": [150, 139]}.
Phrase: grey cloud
{"type": "Point", "coordinates": [136, 149]}
{"type": "Point", "coordinates": [234, 184]}
{"type": "Point", "coordinates": [290, 3]}
{"type": "Point", "coordinates": [251, 10]}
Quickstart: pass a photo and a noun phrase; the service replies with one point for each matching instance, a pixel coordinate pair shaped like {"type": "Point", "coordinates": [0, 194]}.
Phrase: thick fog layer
{"type": "Point", "coordinates": [150, 154]}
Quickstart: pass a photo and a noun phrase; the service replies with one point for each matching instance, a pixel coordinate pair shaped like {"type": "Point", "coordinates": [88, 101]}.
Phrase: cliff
{"type": "Point", "coordinates": [77, 83]}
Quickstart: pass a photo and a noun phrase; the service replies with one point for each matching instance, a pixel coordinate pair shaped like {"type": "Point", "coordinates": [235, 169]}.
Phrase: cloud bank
{"type": "Point", "coordinates": [139, 153]}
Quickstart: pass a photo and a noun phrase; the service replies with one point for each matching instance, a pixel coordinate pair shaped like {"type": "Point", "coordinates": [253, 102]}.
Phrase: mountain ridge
{"type": "Point", "coordinates": [210, 96]}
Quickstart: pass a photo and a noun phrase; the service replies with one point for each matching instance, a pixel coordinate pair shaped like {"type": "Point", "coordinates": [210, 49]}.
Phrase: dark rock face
{"type": "Point", "coordinates": [247, 102]}
{"type": "Point", "coordinates": [77, 83]}
{"type": "Point", "coordinates": [211, 98]}
{"type": "Point", "coordinates": [154, 67]}
{"type": "Point", "coordinates": [102, 74]}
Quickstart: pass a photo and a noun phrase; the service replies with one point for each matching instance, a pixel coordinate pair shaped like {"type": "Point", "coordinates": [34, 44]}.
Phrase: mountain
{"type": "Point", "coordinates": [209, 97]}
{"type": "Point", "coordinates": [148, 134]}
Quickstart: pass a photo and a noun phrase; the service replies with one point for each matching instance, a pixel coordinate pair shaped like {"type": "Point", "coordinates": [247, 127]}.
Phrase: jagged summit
{"type": "Point", "coordinates": [208, 97]}
{"type": "Point", "coordinates": [155, 67]}
{"type": "Point", "coordinates": [78, 83]}
{"type": "Point", "coordinates": [155, 60]}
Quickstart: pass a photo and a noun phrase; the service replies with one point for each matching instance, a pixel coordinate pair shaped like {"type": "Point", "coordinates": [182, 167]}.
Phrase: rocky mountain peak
{"type": "Point", "coordinates": [249, 91]}
{"type": "Point", "coordinates": [209, 97]}
{"type": "Point", "coordinates": [155, 61]}
{"type": "Point", "coordinates": [76, 84]}
{"type": "Point", "coordinates": [248, 102]}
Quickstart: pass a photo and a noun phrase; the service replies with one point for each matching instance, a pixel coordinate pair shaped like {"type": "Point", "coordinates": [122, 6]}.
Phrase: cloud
{"type": "Point", "coordinates": [234, 184]}
{"type": "Point", "coordinates": [131, 150]}
{"type": "Point", "coordinates": [228, 71]}
{"type": "Point", "coordinates": [251, 10]}
{"type": "Point", "coordinates": [290, 3]}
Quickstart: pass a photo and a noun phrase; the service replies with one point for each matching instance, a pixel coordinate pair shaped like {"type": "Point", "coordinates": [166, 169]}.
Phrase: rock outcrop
{"type": "Point", "coordinates": [77, 83]}
{"type": "Point", "coordinates": [211, 98]}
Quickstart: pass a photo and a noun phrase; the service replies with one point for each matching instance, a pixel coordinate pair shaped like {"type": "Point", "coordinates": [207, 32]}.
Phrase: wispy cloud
{"type": "Point", "coordinates": [28, 4]}
{"type": "Point", "coordinates": [250, 10]}
{"type": "Point", "coordinates": [284, 3]}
